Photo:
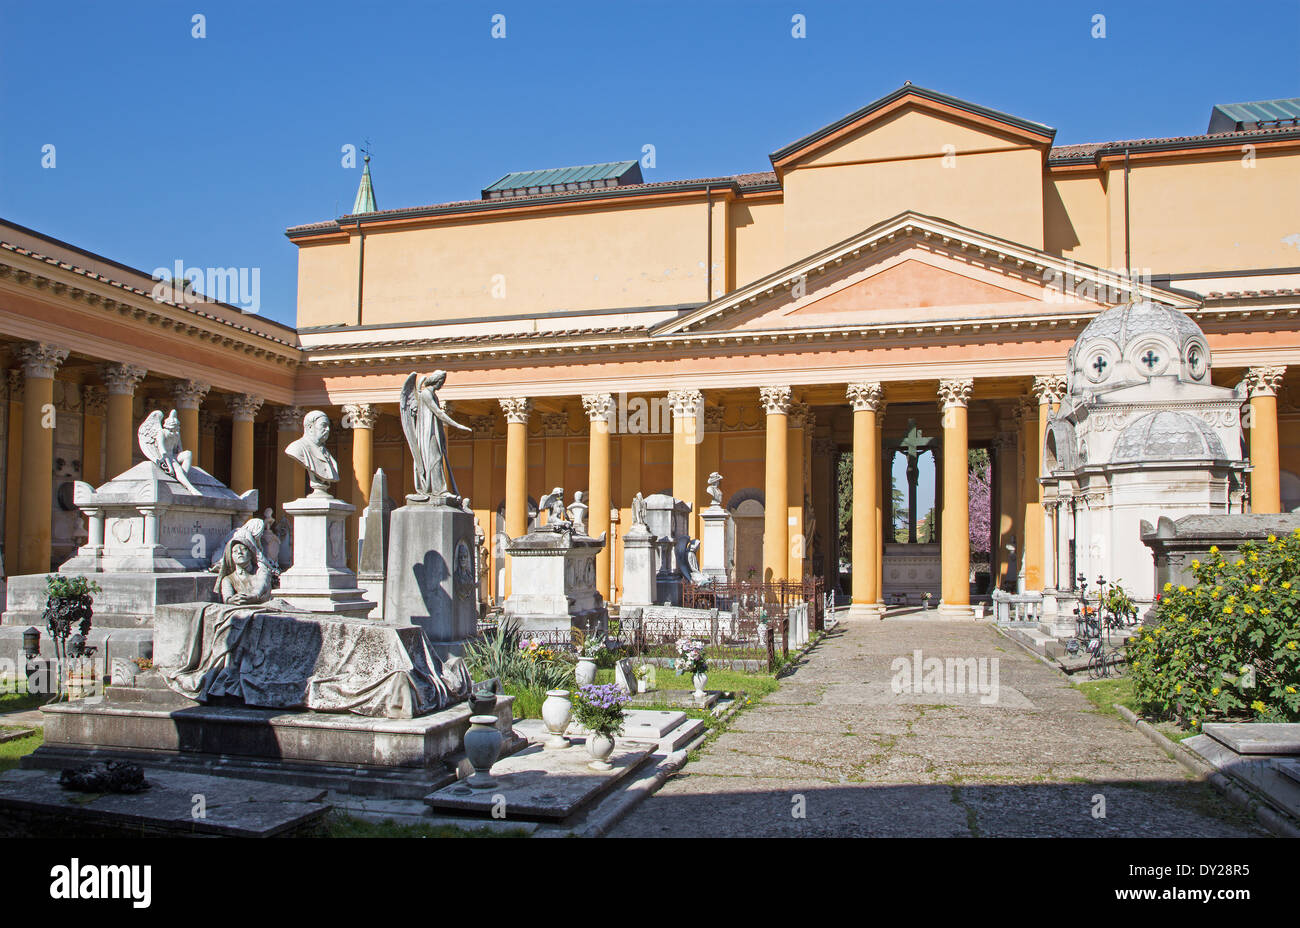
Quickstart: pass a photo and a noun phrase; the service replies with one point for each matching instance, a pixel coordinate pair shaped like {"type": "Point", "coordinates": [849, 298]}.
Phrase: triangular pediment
{"type": "Point", "coordinates": [946, 114]}
{"type": "Point", "coordinates": [916, 269]}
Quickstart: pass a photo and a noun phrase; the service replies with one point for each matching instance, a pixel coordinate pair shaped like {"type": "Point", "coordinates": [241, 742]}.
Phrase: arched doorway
{"type": "Point", "coordinates": [746, 508]}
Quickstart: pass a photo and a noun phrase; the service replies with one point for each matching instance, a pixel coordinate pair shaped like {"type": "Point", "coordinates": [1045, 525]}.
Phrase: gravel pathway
{"type": "Point", "coordinates": [836, 752]}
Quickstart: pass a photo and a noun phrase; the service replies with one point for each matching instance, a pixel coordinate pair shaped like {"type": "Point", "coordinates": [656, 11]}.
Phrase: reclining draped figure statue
{"type": "Point", "coordinates": [263, 652]}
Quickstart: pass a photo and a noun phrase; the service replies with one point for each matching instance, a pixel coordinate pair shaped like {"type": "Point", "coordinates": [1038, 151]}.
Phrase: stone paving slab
{"type": "Point", "coordinates": [1256, 737]}
{"type": "Point", "coordinates": [32, 802]}
{"type": "Point", "coordinates": [870, 762]}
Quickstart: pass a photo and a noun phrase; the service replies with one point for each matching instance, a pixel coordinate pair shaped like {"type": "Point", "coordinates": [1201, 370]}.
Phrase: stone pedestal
{"type": "Point", "coordinates": [714, 559]}
{"type": "Point", "coordinates": [319, 580]}
{"type": "Point", "coordinates": [430, 579]}
{"type": "Point", "coordinates": [553, 582]}
{"type": "Point", "coordinates": [639, 550]}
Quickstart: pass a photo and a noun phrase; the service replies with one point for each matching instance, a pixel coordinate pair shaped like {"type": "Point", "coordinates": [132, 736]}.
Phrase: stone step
{"type": "Point", "coordinates": [1275, 739]}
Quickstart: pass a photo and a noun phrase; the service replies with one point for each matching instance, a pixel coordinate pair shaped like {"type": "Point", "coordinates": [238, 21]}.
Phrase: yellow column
{"type": "Point", "coordinates": [205, 456]}
{"type": "Point", "coordinates": [39, 361]}
{"type": "Point", "coordinates": [866, 400]}
{"type": "Point", "coordinates": [776, 539]}
{"type": "Point", "coordinates": [243, 410]}
{"type": "Point", "coordinates": [94, 405]}
{"type": "Point", "coordinates": [1047, 390]}
{"type": "Point", "coordinates": [688, 432]}
{"type": "Point", "coordinates": [361, 419]}
{"type": "Point", "coordinates": [883, 484]}
{"type": "Point", "coordinates": [188, 395]}
{"type": "Point", "coordinates": [1008, 477]}
{"type": "Point", "coordinates": [14, 470]}
{"type": "Point", "coordinates": [799, 423]}
{"type": "Point", "coordinates": [516, 410]}
{"type": "Point", "coordinates": [555, 426]}
{"type": "Point", "coordinates": [629, 463]}
{"type": "Point", "coordinates": [121, 381]}
{"type": "Point", "coordinates": [954, 536]}
{"type": "Point", "coordinates": [289, 474]}
{"type": "Point", "coordinates": [600, 412]}
{"type": "Point", "coordinates": [1265, 473]}
{"type": "Point", "coordinates": [481, 497]}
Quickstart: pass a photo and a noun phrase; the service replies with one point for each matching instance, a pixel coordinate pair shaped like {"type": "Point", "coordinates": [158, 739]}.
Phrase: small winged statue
{"type": "Point", "coordinates": [557, 519]}
{"type": "Point", "coordinates": [423, 418]}
{"type": "Point", "coordinates": [160, 440]}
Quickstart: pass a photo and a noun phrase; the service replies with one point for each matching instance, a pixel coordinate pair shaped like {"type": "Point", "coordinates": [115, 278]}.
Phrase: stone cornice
{"type": "Point", "coordinates": [37, 272]}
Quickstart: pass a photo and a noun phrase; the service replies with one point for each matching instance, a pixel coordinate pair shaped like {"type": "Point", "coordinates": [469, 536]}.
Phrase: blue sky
{"type": "Point", "coordinates": [169, 147]}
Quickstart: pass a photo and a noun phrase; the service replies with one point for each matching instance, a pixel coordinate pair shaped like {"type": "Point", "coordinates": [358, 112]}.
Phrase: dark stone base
{"type": "Point", "coordinates": [295, 747]}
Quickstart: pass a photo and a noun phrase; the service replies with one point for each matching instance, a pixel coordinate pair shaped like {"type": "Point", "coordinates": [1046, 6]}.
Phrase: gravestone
{"type": "Point", "coordinates": [430, 580]}
{"type": "Point", "coordinates": [372, 557]}
{"type": "Point", "coordinates": [625, 675]}
{"type": "Point", "coordinates": [553, 582]}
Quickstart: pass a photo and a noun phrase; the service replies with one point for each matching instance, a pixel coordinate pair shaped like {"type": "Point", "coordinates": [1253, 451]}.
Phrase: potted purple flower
{"type": "Point", "coordinates": [599, 709]}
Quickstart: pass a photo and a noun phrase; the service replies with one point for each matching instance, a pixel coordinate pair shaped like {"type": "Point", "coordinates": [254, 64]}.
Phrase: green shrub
{"type": "Point", "coordinates": [1229, 646]}
{"type": "Point", "coordinates": [503, 653]}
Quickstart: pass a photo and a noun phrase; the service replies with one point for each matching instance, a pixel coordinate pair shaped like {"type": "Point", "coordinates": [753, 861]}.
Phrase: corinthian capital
{"type": "Point", "coordinates": [516, 409]}
{"type": "Point", "coordinates": [40, 359]}
{"type": "Point", "coordinates": [599, 406]}
{"type": "Point", "coordinates": [1049, 389]}
{"type": "Point", "coordinates": [188, 394]}
{"type": "Point", "coordinates": [94, 401]}
{"type": "Point", "coordinates": [360, 416]}
{"type": "Point", "coordinates": [1264, 381]}
{"type": "Point", "coordinates": [775, 400]}
{"type": "Point", "coordinates": [289, 419]}
{"type": "Point", "coordinates": [955, 392]}
{"type": "Point", "coordinates": [121, 379]}
{"type": "Point", "coordinates": [244, 406]}
{"type": "Point", "coordinates": [555, 424]}
{"type": "Point", "coordinates": [685, 404]}
{"type": "Point", "coordinates": [865, 397]}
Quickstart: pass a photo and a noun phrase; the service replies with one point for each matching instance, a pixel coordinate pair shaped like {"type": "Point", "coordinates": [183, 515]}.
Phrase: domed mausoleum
{"type": "Point", "coordinates": [1141, 433]}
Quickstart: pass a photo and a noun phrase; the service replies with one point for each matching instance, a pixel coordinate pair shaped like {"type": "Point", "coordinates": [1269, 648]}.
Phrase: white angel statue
{"type": "Point", "coordinates": [160, 440]}
{"type": "Point", "coordinates": [557, 513]}
{"type": "Point", "coordinates": [423, 417]}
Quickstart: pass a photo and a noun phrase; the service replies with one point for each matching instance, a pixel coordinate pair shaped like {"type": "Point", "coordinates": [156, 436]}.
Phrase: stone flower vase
{"type": "Point", "coordinates": [699, 679]}
{"type": "Point", "coordinates": [585, 672]}
{"type": "Point", "coordinates": [482, 747]}
{"type": "Point", "coordinates": [556, 712]}
{"type": "Point", "coordinates": [600, 747]}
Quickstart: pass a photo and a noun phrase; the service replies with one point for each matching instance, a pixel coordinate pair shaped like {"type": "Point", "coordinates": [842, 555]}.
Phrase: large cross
{"type": "Point", "coordinates": [913, 445]}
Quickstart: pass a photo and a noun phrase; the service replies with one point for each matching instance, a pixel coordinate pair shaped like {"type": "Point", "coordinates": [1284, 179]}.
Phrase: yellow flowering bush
{"type": "Point", "coordinates": [1231, 654]}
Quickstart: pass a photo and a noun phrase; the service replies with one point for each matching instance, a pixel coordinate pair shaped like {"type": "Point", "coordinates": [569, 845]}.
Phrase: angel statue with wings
{"type": "Point", "coordinates": [423, 417]}
{"type": "Point", "coordinates": [160, 440]}
{"type": "Point", "coordinates": [557, 514]}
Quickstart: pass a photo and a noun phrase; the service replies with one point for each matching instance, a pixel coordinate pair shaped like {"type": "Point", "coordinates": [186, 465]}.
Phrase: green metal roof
{"type": "Point", "coordinates": [550, 177]}
{"type": "Point", "coordinates": [365, 202]}
{"type": "Point", "coordinates": [1228, 117]}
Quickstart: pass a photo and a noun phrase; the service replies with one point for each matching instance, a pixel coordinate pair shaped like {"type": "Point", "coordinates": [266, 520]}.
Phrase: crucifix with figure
{"type": "Point", "coordinates": [914, 444]}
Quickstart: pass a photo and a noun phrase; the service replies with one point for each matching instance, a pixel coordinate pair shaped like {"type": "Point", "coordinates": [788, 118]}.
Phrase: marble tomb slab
{"type": "Point", "coordinates": [540, 784]}
{"type": "Point", "coordinates": [1256, 737]}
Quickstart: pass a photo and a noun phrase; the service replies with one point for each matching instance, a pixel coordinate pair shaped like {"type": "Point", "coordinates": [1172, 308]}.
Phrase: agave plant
{"type": "Point", "coordinates": [498, 653]}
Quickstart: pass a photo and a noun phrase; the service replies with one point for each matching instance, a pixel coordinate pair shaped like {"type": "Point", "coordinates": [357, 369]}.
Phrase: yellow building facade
{"type": "Point", "coordinates": [909, 276]}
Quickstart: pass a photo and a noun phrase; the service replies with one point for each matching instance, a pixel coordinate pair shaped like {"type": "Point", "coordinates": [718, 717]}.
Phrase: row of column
{"type": "Point", "coordinates": [109, 417]}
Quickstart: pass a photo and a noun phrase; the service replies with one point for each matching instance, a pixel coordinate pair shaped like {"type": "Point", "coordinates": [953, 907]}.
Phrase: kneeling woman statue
{"type": "Point", "coordinates": [244, 576]}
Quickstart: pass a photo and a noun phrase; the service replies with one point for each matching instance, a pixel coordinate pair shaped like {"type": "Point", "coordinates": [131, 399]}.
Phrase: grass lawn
{"type": "Point", "coordinates": [10, 751]}
{"type": "Point", "coordinates": [756, 685]}
{"type": "Point", "coordinates": [19, 700]}
{"type": "Point", "coordinates": [1105, 693]}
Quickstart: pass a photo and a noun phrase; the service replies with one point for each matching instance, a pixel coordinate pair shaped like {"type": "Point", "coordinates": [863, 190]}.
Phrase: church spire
{"type": "Point", "coordinates": [365, 192]}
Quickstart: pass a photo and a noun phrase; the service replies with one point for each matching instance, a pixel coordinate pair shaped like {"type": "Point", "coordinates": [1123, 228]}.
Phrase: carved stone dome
{"type": "Point", "coordinates": [1131, 344]}
{"type": "Point", "coordinates": [1166, 436]}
